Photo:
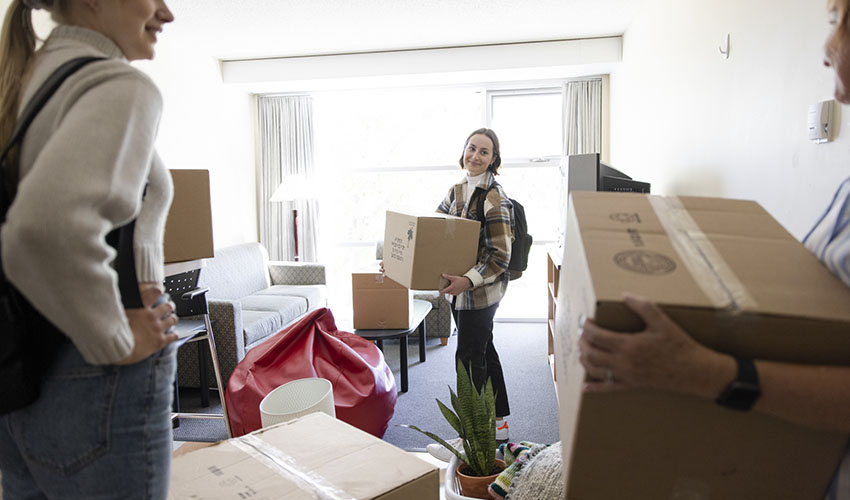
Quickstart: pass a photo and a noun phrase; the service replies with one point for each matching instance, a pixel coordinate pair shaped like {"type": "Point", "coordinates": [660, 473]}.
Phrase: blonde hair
{"type": "Point", "coordinates": [17, 48]}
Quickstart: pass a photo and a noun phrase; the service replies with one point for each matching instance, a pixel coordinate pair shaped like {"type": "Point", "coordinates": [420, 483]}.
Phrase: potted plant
{"type": "Point", "coordinates": [474, 420]}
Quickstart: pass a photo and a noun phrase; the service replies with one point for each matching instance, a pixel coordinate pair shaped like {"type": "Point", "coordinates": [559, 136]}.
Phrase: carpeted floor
{"type": "Point", "coordinates": [522, 348]}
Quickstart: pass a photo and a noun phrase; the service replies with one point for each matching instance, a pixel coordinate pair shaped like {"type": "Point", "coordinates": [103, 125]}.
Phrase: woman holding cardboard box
{"type": "Point", "coordinates": [664, 357]}
{"type": "Point", "coordinates": [477, 293]}
{"type": "Point", "coordinates": [101, 426]}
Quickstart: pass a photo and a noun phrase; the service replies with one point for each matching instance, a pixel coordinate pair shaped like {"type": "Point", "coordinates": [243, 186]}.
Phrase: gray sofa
{"type": "Point", "coordinates": [250, 298]}
{"type": "Point", "coordinates": [438, 323]}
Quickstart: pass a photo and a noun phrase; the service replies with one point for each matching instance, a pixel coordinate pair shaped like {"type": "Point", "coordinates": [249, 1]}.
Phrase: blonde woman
{"type": "Point", "coordinates": [100, 427]}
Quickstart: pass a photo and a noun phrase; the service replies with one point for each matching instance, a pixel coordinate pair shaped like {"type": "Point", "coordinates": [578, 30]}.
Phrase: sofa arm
{"type": "Point", "coordinates": [297, 273]}
{"type": "Point", "coordinates": [226, 320]}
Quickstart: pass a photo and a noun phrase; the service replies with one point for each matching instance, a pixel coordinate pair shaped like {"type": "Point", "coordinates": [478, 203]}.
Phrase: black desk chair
{"type": "Point", "coordinates": [191, 303]}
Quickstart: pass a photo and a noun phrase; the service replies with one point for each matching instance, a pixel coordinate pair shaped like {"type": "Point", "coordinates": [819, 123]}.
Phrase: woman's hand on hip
{"type": "Point", "coordinates": [150, 325]}
{"type": "Point", "coordinates": [457, 284]}
{"type": "Point", "coordinates": [662, 356]}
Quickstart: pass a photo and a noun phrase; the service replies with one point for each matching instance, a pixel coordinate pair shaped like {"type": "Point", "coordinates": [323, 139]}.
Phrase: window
{"type": "Point", "coordinates": [399, 148]}
{"type": "Point", "coordinates": [529, 122]}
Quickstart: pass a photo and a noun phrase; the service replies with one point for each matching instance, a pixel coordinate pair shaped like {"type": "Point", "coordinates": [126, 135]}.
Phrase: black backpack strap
{"type": "Point", "coordinates": [38, 100]}
{"type": "Point", "coordinates": [481, 198]}
{"type": "Point", "coordinates": [121, 239]}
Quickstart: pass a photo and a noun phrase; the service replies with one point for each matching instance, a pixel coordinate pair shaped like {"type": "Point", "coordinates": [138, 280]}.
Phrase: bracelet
{"type": "Point", "coordinates": [471, 284]}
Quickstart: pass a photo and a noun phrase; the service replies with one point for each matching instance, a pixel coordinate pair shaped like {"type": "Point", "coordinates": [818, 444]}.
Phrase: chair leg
{"type": "Point", "coordinates": [444, 341]}
{"type": "Point", "coordinates": [203, 356]}
{"type": "Point", "coordinates": [217, 373]}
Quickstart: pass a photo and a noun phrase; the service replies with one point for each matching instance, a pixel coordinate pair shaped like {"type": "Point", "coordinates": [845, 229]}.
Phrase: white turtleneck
{"type": "Point", "coordinates": [472, 182]}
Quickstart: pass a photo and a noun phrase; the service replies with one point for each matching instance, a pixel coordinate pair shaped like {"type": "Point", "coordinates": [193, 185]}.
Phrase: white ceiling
{"type": "Point", "coordinates": [245, 29]}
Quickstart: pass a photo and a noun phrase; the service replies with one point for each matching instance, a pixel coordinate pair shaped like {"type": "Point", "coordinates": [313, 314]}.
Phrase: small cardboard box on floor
{"type": "Point", "coordinates": [315, 456]}
{"type": "Point", "coordinates": [736, 281]}
{"type": "Point", "coordinates": [419, 248]}
{"type": "Point", "coordinates": [379, 302]}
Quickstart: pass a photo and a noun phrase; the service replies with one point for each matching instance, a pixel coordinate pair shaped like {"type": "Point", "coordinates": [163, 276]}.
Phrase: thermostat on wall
{"type": "Point", "coordinates": [820, 122]}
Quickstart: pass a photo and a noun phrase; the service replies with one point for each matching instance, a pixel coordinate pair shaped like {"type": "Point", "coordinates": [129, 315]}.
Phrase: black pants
{"type": "Point", "coordinates": [475, 348]}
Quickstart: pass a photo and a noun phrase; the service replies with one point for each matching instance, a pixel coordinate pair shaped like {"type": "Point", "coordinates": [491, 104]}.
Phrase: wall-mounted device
{"type": "Point", "coordinates": [820, 122]}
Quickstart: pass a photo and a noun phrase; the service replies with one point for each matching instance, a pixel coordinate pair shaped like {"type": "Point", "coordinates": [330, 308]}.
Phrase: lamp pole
{"type": "Point", "coordinates": [295, 230]}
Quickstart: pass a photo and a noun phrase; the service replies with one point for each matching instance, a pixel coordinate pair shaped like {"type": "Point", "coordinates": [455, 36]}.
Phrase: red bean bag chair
{"type": "Point", "coordinates": [363, 385]}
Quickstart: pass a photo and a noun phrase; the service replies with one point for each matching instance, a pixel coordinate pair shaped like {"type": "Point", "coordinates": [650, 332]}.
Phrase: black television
{"type": "Point", "coordinates": [586, 172]}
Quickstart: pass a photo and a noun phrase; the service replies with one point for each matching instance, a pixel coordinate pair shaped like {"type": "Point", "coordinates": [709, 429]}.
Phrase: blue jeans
{"type": "Point", "coordinates": [96, 432]}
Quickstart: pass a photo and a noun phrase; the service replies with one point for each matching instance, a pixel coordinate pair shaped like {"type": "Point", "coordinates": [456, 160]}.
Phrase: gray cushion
{"type": "Point", "coordinates": [277, 303]}
{"type": "Point", "coordinates": [314, 294]}
{"type": "Point", "coordinates": [260, 324]}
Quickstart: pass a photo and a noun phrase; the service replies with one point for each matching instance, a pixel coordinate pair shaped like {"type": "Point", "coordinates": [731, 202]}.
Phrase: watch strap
{"type": "Point", "coordinates": [743, 392]}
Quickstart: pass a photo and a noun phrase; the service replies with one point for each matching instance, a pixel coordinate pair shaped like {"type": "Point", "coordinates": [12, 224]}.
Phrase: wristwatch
{"type": "Point", "coordinates": [743, 392]}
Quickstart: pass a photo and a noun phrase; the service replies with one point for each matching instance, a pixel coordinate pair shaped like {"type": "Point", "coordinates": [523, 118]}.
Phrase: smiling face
{"type": "Point", "coordinates": [837, 51]}
{"type": "Point", "coordinates": [478, 154]}
{"type": "Point", "coordinates": [132, 24]}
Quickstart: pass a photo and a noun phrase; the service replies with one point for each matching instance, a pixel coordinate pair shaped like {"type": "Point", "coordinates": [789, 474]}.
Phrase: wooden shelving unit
{"type": "Point", "coordinates": [553, 274]}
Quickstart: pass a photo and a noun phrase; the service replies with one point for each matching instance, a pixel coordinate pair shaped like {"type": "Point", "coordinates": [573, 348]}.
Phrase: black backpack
{"type": "Point", "coordinates": [29, 343]}
{"type": "Point", "coordinates": [521, 245]}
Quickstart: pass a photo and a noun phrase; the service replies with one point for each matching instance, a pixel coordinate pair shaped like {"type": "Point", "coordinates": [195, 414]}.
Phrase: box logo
{"type": "Point", "coordinates": [625, 217]}
{"type": "Point", "coordinates": [645, 262]}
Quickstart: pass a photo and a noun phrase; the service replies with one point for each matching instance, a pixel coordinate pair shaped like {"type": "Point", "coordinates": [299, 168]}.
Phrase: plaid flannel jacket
{"type": "Point", "coordinates": [488, 276]}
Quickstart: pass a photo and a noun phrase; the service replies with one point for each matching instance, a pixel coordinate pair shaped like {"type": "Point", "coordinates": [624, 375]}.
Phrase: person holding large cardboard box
{"type": "Point", "coordinates": [477, 293]}
{"type": "Point", "coordinates": [664, 357]}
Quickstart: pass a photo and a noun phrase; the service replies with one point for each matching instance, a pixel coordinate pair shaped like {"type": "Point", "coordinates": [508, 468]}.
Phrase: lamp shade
{"type": "Point", "coordinates": [294, 187]}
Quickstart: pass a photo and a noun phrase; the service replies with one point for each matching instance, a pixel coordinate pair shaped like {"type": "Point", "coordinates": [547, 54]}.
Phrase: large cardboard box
{"type": "Point", "coordinates": [419, 248]}
{"type": "Point", "coordinates": [736, 281]}
{"type": "Point", "coordinates": [379, 302]}
{"type": "Point", "coordinates": [315, 456]}
{"type": "Point", "coordinates": [188, 229]}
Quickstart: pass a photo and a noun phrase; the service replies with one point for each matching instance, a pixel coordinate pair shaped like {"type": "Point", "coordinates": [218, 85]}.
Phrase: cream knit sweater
{"type": "Point", "coordinates": [84, 164]}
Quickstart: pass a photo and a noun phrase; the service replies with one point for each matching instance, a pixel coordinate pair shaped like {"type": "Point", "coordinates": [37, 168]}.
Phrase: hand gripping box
{"type": "Point", "coordinates": [315, 456]}
{"type": "Point", "coordinates": [379, 302]}
{"type": "Point", "coordinates": [737, 282]}
{"type": "Point", "coordinates": [419, 248]}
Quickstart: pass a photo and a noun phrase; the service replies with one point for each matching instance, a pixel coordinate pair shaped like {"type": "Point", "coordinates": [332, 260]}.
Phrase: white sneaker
{"type": "Point", "coordinates": [440, 452]}
{"type": "Point", "coordinates": [502, 430]}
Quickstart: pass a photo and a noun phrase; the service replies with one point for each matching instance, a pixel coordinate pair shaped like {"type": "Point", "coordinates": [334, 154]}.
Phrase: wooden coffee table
{"type": "Point", "coordinates": [421, 308]}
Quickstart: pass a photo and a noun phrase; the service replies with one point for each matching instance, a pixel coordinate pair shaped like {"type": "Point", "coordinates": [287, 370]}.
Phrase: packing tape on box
{"type": "Point", "coordinates": [283, 464]}
{"type": "Point", "coordinates": [710, 271]}
{"type": "Point", "coordinates": [451, 228]}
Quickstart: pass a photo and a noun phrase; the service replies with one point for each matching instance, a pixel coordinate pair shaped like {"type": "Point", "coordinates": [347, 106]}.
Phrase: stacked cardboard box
{"type": "Point", "coordinates": [379, 302]}
{"type": "Point", "coordinates": [736, 281]}
{"type": "Point", "coordinates": [188, 228]}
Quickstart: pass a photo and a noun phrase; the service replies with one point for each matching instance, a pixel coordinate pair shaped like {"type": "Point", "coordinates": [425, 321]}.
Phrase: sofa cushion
{"type": "Point", "coordinates": [314, 294]}
{"type": "Point", "coordinates": [260, 324]}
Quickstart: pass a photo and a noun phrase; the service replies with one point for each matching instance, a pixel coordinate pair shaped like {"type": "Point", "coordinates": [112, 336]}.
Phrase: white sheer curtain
{"type": "Point", "coordinates": [286, 148]}
{"type": "Point", "coordinates": [583, 117]}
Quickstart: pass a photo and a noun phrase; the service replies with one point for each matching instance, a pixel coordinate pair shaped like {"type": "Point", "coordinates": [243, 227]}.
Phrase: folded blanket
{"type": "Point", "coordinates": [542, 476]}
{"type": "Point", "coordinates": [515, 455]}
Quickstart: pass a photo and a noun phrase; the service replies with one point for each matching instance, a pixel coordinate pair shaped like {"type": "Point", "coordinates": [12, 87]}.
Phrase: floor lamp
{"type": "Point", "coordinates": [293, 188]}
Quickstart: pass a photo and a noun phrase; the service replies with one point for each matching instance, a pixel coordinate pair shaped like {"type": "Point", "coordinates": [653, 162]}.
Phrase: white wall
{"type": "Point", "coordinates": [210, 126]}
{"type": "Point", "coordinates": [691, 122]}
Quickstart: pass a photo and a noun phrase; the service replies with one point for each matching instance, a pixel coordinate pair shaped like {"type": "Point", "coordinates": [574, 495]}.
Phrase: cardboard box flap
{"type": "Point", "coordinates": [371, 278]}
{"type": "Point", "coordinates": [424, 214]}
{"type": "Point", "coordinates": [288, 461]}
